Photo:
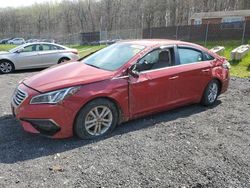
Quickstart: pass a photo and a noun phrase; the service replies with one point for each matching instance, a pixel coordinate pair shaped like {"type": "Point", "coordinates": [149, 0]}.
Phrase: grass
{"type": "Point", "coordinates": [6, 47]}
{"type": "Point", "coordinates": [85, 50]}
{"type": "Point", "coordinates": [238, 68]}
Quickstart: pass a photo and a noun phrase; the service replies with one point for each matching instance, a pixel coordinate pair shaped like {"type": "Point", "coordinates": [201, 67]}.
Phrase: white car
{"type": "Point", "coordinates": [35, 55]}
{"type": "Point", "coordinates": [16, 41]}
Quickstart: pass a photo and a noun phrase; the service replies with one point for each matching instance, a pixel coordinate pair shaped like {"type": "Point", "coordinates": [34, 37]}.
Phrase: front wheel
{"type": "Point", "coordinates": [211, 93]}
{"type": "Point", "coordinates": [96, 119]}
{"type": "Point", "coordinates": [6, 67]}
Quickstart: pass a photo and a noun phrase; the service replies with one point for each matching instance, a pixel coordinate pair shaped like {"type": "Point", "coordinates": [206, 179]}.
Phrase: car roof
{"type": "Point", "coordinates": [32, 43]}
{"type": "Point", "coordinates": [159, 42]}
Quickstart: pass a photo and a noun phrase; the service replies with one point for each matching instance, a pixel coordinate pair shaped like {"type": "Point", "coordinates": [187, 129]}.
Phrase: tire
{"type": "Point", "coordinates": [6, 66]}
{"type": "Point", "coordinates": [89, 126]}
{"type": "Point", "coordinates": [63, 59]}
{"type": "Point", "coordinates": [211, 93]}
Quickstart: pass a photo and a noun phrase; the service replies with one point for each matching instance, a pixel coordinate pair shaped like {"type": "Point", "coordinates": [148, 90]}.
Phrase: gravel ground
{"type": "Point", "coordinates": [192, 146]}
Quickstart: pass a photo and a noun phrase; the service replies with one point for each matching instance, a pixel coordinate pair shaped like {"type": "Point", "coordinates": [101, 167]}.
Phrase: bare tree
{"type": "Point", "coordinates": [75, 16]}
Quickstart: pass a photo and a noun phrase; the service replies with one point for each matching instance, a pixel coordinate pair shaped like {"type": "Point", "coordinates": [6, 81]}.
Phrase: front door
{"type": "Point", "coordinates": [28, 57]}
{"type": "Point", "coordinates": [153, 90]}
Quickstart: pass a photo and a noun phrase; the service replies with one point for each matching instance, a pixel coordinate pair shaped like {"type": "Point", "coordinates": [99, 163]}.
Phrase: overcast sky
{"type": "Point", "coordinates": [18, 3]}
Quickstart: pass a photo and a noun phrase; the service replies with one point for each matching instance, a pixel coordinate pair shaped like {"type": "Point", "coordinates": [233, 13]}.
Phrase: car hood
{"type": "Point", "coordinates": [66, 75]}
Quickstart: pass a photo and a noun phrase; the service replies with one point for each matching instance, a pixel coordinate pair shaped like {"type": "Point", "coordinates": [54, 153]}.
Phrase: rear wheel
{"type": "Point", "coordinates": [6, 67]}
{"type": "Point", "coordinates": [63, 59]}
{"type": "Point", "coordinates": [96, 119]}
{"type": "Point", "coordinates": [211, 93]}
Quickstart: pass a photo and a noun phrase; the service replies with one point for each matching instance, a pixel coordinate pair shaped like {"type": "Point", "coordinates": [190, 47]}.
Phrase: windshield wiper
{"type": "Point", "coordinates": [93, 66]}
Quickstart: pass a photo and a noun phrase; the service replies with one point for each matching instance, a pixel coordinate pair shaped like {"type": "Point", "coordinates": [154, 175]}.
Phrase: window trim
{"type": "Point", "coordinates": [177, 58]}
{"type": "Point", "coordinates": [171, 67]}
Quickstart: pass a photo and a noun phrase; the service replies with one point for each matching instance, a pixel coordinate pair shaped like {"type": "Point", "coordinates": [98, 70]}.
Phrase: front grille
{"type": "Point", "coordinates": [19, 96]}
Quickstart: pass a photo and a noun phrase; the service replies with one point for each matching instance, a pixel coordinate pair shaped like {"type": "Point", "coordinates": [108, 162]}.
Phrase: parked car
{"type": "Point", "coordinates": [5, 41]}
{"type": "Point", "coordinates": [48, 40]}
{"type": "Point", "coordinates": [109, 42]}
{"type": "Point", "coordinates": [124, 81]}
{"type": "Point", "coordinates": [35, 55]}
{"type": "Point", "coordinates": [32, 40]}
{"type": "Point", "coordinates": [94, 43]}
{"type": "Point", "coordinates": [16, 41]}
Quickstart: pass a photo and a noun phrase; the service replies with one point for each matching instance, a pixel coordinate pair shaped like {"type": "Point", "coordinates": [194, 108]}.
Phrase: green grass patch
{"type": "Point", "coordinates": [86, 50]}
{"type": "Point", "coordinates": [6, 47]}
{"type": "Point", "coordinates": [239, 68]}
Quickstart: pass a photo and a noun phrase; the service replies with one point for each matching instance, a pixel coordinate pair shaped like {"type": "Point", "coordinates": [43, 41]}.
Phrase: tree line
{"type": "Point", "coordinates": [53, 19]}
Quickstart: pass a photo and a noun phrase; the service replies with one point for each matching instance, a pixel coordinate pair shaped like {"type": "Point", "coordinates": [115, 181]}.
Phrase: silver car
{"type": "Point", "coordinates": [35, 55]}
{"type": "Point", "coordinates": [16, 41]}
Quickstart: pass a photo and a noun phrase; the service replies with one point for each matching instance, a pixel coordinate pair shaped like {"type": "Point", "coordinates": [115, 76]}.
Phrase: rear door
{"type": "Point", "coordinates": [49, 55]}
{"type": "Point", "coordinates": [194, 73]}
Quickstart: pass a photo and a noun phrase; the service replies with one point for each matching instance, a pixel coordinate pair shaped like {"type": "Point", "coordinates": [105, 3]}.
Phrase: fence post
{"type": "Point", "coordinates": [176, 32]}
{"type": "Point", "coordinates": [150, 32]}
{"type": "Point", "coordinates": [206, 34]}
{"type": "Point", "coordinates": [244, 32]}
{"type": "Point", "coordinates": [106, 36]}
{"type": "Point", "coordinates": [100, 30]}
{"type": "Point", "coordinates": [189, 33]}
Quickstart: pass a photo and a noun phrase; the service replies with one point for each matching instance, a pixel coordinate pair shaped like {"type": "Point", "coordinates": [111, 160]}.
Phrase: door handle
{"type": "Point", "coordinates": [206, 70]}
{"type": "Point", "coordinates": [173, 78]}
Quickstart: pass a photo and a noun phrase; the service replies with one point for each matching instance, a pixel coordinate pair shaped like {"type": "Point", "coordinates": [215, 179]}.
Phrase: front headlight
{"type": "Point", "coordinates": [54, 97]}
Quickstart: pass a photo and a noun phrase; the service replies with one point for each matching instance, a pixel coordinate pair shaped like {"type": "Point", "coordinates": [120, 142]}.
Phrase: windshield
{"type": "Point", "coordinates": [114, 56]}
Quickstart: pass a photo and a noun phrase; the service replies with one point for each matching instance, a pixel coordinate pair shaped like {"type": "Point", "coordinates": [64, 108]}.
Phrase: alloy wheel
{"type": "Point", "coordinates": [98, 120]}
{"type": "Point", "coordinates": [5, 67]}
{"type": "Point", "coordinates": [212, 92]}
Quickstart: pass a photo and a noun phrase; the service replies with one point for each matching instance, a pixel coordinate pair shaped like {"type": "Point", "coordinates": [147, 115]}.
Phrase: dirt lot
{"type": "Point", "coordinates": [192, 146]}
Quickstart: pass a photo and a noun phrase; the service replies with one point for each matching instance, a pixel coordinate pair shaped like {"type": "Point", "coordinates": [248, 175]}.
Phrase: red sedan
{"type": "Point", "coordinates": [124, 81]}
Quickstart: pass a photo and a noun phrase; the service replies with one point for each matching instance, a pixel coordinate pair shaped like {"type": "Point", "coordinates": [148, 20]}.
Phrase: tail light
{"type": "Point", "coordinates": [75, 52]}
{"type": "Point", "coordinates": [226, 65]}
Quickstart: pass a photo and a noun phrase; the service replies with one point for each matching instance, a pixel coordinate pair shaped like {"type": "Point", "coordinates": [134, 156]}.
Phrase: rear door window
{"type": "Point", "coordinates": [189, 55]}
{"type": "Point", "coordinates": [208, 57]}
{"type": "Point", "coordinates": [47, 47]}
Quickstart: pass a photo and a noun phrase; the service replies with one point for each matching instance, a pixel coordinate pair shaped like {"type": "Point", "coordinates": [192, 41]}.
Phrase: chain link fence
{"type": "Point", "coordinates": [239, 31]}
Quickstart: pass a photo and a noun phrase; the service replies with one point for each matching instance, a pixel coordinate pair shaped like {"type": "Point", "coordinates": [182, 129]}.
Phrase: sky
{"type": "Point", "coordinates": [18, 3]}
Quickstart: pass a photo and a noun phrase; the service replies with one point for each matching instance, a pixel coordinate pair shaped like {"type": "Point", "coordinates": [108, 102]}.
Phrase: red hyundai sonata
{"type": "Point", "coordinates": [124, 81]}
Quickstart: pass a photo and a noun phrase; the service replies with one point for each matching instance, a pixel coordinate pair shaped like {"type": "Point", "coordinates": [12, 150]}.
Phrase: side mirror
{"type": "Point", "coordinates": [133, 72]}
{"type": "Point", "coordinates": [19, 50]}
